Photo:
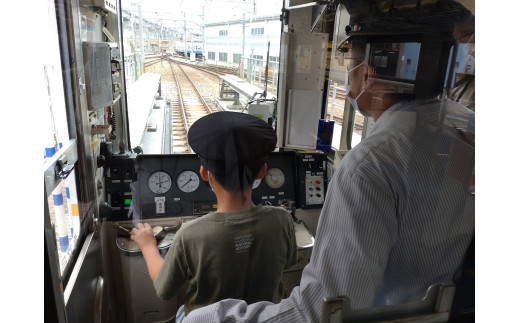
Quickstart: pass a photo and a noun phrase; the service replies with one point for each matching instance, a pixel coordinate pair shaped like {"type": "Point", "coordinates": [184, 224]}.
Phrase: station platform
{"type": "Point", "coordinates": [146, 114]}
{"type": "Point", "coordinates": [236, 92]}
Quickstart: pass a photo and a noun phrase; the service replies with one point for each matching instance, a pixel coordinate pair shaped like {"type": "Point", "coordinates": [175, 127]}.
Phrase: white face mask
{"type": "Point", "coordinates": [353, 101]}
{"type": "Point", "coordinates": [209, 181]}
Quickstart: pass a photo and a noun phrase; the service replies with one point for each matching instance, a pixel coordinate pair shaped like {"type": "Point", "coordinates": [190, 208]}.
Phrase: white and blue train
{"type": "Point", "coordinates": [186, 48]}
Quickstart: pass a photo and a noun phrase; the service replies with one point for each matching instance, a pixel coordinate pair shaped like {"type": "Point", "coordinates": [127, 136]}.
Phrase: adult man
{"type": "Point", "coordinates": [240, 250]}
{"type": "Point", "coordinates": [399, 214]}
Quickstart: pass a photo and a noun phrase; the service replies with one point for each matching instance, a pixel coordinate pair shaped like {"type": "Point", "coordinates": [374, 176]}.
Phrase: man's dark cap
{"type": "Point", "coordinates": [227, 141]}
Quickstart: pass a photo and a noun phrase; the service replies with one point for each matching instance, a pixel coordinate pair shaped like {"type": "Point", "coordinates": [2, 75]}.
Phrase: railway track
{"type": "Point", "coordinates": [186, 107]}
{"type": "Point", "coordinates": [209, 70]}
{"type": "Point", "coordinates": [190, 104]}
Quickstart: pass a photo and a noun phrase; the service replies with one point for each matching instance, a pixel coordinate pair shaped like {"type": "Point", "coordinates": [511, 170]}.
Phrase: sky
{"type": "Point", "coordinates": [171, 13]}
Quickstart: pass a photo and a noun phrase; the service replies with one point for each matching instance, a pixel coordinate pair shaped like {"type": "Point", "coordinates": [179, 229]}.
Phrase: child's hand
{"type": "Point", "coordinates": [143, 236]}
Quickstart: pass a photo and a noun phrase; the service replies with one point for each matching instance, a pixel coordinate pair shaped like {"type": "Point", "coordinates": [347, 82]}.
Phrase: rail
{"type": "Point", "coordinates": [189, 107]}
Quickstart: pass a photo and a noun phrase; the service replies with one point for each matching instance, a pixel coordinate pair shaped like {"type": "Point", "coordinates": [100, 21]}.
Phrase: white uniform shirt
{"type": "Point", "coordinates": [398, 217]}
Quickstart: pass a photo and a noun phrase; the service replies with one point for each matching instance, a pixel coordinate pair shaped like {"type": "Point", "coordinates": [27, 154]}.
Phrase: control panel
{"type": "Point", "coordinates": [102, 88]}
{"type": "Point", "coordinates": [170, 186]}
{"type": "Point", "coordinates": [278, 186]}
{"type": "Point", "coordinates": [120, 174]}
{"type": "Point", "coordinates": [312, 178]}
{"type": "Point", "coordinates": [102, 73]}
{"type": "Point", "coordinates": [164, 186]}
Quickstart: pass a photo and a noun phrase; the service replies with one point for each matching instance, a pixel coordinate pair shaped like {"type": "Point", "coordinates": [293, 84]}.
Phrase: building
{"type": "Point", "coordinates": [244, 43]}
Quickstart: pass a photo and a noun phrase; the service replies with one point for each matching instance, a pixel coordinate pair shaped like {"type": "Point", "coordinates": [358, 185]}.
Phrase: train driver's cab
{"type": "Point", "coordinates": [116, 151]}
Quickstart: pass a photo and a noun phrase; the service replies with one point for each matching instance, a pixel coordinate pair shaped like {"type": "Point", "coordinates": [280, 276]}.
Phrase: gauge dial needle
{"type": "Point", "coordinates": [186, 183]}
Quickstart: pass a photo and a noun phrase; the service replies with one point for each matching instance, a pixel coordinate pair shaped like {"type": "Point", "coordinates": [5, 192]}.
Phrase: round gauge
{"type": "Point", "coordinates": [256, 183]}
{"type": "Point", "coordinates": [188, 181]}
{"type": "Point", "coordinates": [274, 177]}
{"type": "Point", "coordinates": [159, 182]}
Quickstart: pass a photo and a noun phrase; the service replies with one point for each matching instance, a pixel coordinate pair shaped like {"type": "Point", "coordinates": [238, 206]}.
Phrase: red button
{"type": "Point", "coordinates": [318, 182]}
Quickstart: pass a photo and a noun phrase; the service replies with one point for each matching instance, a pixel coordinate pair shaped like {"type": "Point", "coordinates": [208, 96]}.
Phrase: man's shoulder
{"type": "Point", "coordinates": [369, 146]}
{"type": "Point", "coordinates": [382, 148]}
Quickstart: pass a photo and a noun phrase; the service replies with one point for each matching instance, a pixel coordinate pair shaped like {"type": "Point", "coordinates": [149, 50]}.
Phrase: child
{"type": "Point", "coordinates": [240, 250]}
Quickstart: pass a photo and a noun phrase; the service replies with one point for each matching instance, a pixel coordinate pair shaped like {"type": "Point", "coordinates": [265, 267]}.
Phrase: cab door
{"type": "Point", "coordinates": [74, 281]}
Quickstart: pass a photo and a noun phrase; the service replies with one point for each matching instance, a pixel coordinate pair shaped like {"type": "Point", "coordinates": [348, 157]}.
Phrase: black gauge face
{"type": "Point", "coordinates": [274, 177]}
{"type": "Point", "coordinates": [159, 182]}
{"type": "Point", "coordinates": [188, 181]}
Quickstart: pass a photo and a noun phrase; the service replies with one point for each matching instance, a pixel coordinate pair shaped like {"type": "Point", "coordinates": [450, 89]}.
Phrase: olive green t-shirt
{"type": "Point", "coordinates": [237, 255]}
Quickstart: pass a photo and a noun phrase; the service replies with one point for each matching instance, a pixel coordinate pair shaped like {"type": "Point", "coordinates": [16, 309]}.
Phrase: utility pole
{"type": "Point", "coordinates": [243, 42]}
{"type": "Point", "coordinates": [141, 40]}
{"type": "Point", "coordinates": [185, 44]}
{"type": "Point", "coordinates": [203, 36]}
{"type": "Point", "coordinates": [134, 47]}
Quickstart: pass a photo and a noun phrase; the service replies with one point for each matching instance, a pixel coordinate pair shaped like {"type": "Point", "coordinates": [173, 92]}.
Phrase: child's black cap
{"type": "Point", "coordinates": [227, 141]}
